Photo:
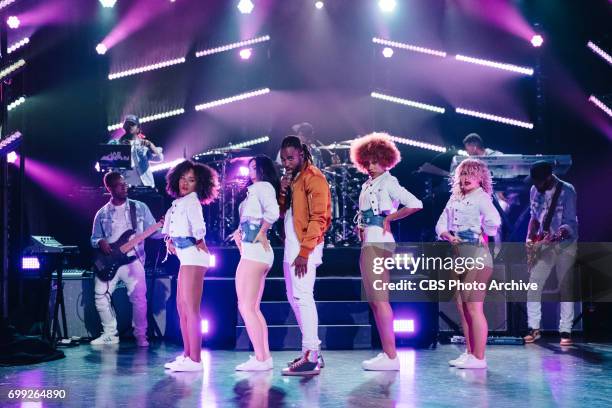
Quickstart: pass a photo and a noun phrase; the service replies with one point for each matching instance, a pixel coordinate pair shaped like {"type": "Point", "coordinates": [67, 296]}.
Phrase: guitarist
{"type": "Point", "coordinates": [551, 243]}
{"type": "Point", "coordinates": [113, 219]}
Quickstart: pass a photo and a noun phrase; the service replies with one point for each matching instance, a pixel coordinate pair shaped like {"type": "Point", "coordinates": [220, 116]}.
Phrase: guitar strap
{"type": "Point", "coordinates": [551, 208]}
{"type": "Point", "coordinates": [134, 225]}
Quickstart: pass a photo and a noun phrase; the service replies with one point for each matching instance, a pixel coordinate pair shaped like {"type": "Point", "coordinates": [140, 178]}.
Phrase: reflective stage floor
{"type": "Point", "coordinates": [540, 375]}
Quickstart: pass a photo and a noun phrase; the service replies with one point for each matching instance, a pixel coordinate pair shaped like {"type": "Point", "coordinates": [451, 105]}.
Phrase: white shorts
{"type": "Point", "coordinates": [254, 251]}
{"type": "Point", "coordinates": [192, 256]}
{"type": "Point", "coordinates": [374, 235]}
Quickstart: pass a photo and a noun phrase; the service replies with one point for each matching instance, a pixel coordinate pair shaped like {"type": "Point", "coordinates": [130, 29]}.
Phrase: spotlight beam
{"type": "Point", "coordinates": [232, 46]}
{"type": "Point", "coordinates": [494, 118]}
{"type": "Point", "coordinates": [407, 102]}
{"type": "Point", "coordinates": [235, 98]}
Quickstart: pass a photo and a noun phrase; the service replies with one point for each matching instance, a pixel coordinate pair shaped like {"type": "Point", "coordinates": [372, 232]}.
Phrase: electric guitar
{"type": "Point", "coordinates": [539, 244]}
{"type": "Point", "coordinates": [105, 266]}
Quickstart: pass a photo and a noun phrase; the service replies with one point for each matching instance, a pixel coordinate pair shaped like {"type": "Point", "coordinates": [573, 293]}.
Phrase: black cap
{"type": "Point", "coordinates": [473, 138]}
{"type": "Point", "coordinates": [130, 120]}
{"type": "Point", "coordinates": [540, 170]}
{"type": "Point", "coordinates": [305, 128]}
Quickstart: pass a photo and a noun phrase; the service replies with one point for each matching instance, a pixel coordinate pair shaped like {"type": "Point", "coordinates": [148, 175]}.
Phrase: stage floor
{"type": "Point", "coordinates": [541, 375]}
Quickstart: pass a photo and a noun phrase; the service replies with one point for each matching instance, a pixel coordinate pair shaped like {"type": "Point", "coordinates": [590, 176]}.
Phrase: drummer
{"type": "Point", "coordinates": [305, 131]}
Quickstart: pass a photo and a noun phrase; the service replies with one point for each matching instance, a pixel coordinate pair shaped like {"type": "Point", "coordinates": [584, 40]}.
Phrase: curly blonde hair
{"type": "Point", "coordinates": [471, 166]}
{"type": "Point", "coordinates": [374, 148]}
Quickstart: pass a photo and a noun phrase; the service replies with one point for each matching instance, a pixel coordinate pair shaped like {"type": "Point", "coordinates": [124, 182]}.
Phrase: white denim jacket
{"type": "Point", "coordinates": [260, 203]}
{"type": "Point", "coordinates": [474, 212]}
{"type": "Point", "coordinates": [185, 218]}
{"type": "Point", "coordinates": [384, 194]}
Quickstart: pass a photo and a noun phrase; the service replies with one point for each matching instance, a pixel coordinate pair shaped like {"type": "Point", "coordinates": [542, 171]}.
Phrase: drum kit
{"type": "Point", "coordinates": [344, 182]}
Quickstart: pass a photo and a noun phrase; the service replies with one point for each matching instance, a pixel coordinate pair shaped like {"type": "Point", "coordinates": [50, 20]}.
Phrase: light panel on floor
{"type": "Point", "coordinates": [403, 326]}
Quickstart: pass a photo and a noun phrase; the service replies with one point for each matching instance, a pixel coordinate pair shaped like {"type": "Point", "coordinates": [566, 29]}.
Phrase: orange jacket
{"type": "Point", "coordinates": [311, 208]}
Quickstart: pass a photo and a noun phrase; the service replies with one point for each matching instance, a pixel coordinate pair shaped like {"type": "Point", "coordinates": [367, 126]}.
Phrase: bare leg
{"type": "Point", "coordinates": [180, 306]}
{"type": "Point", "coordinates": [478, 328]}
{"type": "Point", "coordinates": [462, 308]}
{"type": "Point", "coordinates": [193, 279]}
{"type": "Point", "coordinates": [250, 279]}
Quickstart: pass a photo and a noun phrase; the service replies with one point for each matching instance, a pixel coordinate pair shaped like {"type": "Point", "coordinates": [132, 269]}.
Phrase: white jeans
{"type": "Point", "coordinates": [562, 261]}
{"type": "Point", "coordinates": [300, 294]}
{"type": "Point", "coordinates": [134, 277]}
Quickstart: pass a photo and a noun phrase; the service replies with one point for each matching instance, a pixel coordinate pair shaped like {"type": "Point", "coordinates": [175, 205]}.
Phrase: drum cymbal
{"type": "Point", "coordinates": [335, 146]}
{"type": "Point", "coordinates": [339, 166]}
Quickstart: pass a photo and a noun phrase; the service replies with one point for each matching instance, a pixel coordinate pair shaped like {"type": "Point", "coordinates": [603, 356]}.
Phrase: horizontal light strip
{"type": "Point", "coordinates": [232, 46]}
{"type": "Point", "coordinates": [5, 3]}
{"type": "Point", "coordinates": [495, 118]}
{"type": "Point", "coordinates": [599, 52]}
{"type": "Point", "coordinates": [246, 143]}
{"type": "Point", "coordinates": [10, 142]}
{"type": "Point", "coordinates": [407, 102]}
{"type": "Point", "coordinates": [150, 118]}
{"type": "Point", "coordinates": [18, 44]}
{"type": "Point", "coordinates": [146, 68]}
{"type": "Point", "coordinates": [166, 166]}
{"type": "Point", "coordinates": [231, 99]}
{"type": "Point", "coordinates": [600, 105]}
{"type": "Point", "coordinates": [12, 68]}
{"type": "Point", "coordinates": [15, 103]}
{"type": "Point", "coordinates": [416, 143]}
{"type": "Point", "coordinates": [408, 47]}
{"type": "Point", "coordinates": [493, 64]}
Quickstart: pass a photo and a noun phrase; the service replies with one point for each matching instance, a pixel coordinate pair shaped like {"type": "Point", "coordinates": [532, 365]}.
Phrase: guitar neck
{"type": "Point", "coordinates": [140, 237]}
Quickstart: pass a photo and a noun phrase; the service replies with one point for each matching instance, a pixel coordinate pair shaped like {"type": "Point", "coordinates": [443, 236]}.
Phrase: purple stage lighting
{"type": "Point", "coordinates": [494, 118]}
{"type": "Point", "coordinates": [387, 5]}
{"type": "Point", "coordinates": [494, 64]}
{"type": "Point", "coordinates": [204, 326]}
{"type": "Point", "coordinates": [319, 4]}
{"type": "Point", "coordinates": [213, 261]}
{"type": "Point", "coordinates": [599, 52]}
{"type": "Point", "coordinates": [403, 326]}
{"type": "Point", "coordinates": [387, 52]}
{"type": "Point", "coordinates": [13, 22]}
{"type": "Point", "coordinates": [12, 157]}
{"type": "Point", "coordinates": [600, 105]}
{"type": "Point", "coordinates": [243, 171]}
{"type": "Point", "coordinates": [246, 53]}
{"type": "Point", "coordinates": [537, 40]}
{"type": "Point", "coordinates": [30, 262]}
{"type": "Point", "coordinates": [101, 49]}
{"type": "Point", "coordinates": [409, 47]}
{"type": "Point", "coordinates": [245, 6]}
{"type": "Point", "coordinates": [407, 102]}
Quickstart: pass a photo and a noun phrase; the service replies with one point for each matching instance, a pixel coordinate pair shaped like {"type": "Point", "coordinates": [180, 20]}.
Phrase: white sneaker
{"type": "Point", "coordinates": [381, 363]}
{"type": "Point", "coordinates": [178, 359]}
{"type": "Point", "coordinates": [458, 359]}
{"type": "Point", "coordinates": [472, 362]}
{"type": "Point", "coordinates": [252, 364]}
{"type": "Point", "coordinates": [105, 339]}
{"type": "Point", "coordinates": [187, 365]}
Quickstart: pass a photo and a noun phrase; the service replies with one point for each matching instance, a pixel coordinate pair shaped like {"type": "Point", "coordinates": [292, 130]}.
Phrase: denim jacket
{"type": "Point", "coordinates": [103, 225]}
{"type": "Point", "coordinates": [564, 214]}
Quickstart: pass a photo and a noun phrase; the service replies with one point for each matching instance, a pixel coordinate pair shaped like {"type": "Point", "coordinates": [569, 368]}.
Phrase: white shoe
{"type": "Point", "coordinates": [178, 359]}
{"type": "Point", "coordinates": [105, 339]}
{"type": "Point", "coordinates": [252, 364]}
{"type": "Point", "coordinates": [187, 365]}
{"type": "Point", "coordinates": [381, 363]}
{"type": "Point", "coordinates": [459, 359]}
{"type": "Point", "coordinates": [472, 362]}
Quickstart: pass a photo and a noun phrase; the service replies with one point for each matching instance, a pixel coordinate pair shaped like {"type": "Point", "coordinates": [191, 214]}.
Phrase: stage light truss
{"type": "Point", "coordinates": [497, 65]}
{"type": "Point", "coordinates": [419, 144]}
{"type": "Point", "coordinates": [17, 45]}
{"type": "Point", "coordinates": [15, 103]}
{"type": "Point", "coordinates": [232, 46]}
{"type": "Point", "coordinates": [600, 105]}
{"type": "Point", "coordinates": [150, 118]}
{"type": "Point", "coordinates": [495, 118]}
{"type": "Point", "coordinates": [407, 102]}
{"type": "Point", "coordinates": [146, 68]}
{"type": "Point", "coordinates": [235, 98]}
{"type": "Point", "coordinates": [409, 47]}
{"type": "Point", "coordinates": [11, 68]}
{"type": "Point", "coordinates": [9, 143]}
{"type": "Point", "coordinates": [599, 52]}
{"type": "Point", "coordinates": [246, 143]}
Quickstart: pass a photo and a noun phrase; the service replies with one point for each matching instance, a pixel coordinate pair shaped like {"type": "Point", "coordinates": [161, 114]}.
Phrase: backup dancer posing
{"type": "Point", "coordinates": [192, 185]}
{"type": "Point", "coordinates": [469, 218]}
{"type": "Point", "coordinates": [380, 197]}
{"type": "Point", "coordinates": [257, 214]}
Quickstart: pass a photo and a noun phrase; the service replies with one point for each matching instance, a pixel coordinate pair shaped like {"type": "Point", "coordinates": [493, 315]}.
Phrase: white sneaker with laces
{"type": "Point", "coordinates": [187, 365]}
{"type": "Point", "coordinates": [472, 362]}
{"type": "Point", "coordinates": [381, 363]}
{"type": "Point", "coordinates": [458, 359]}
{"type": "Point", "coordinates": [105, 339]}
{"type": "Point", "coordinates": [178, 359]}
{"type": "Point", "coordinates": [252, 364]}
